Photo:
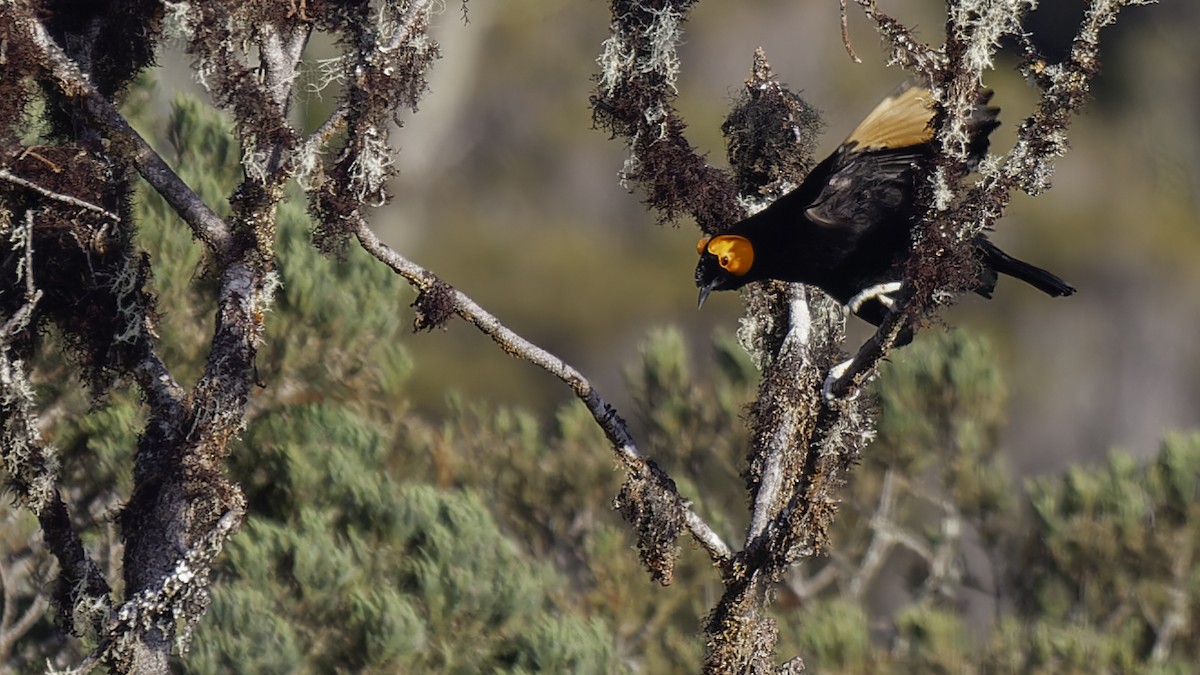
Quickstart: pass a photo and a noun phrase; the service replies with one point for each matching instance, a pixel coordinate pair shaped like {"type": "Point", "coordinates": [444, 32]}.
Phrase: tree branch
{"type": "Point", "coordinates": [451, 300]}
{"type": "Point", "coordinates": [205, 224]}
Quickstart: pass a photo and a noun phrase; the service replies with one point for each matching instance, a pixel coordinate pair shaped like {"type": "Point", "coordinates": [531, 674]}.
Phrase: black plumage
{"type": "Point", "coordinates": [847, 228]}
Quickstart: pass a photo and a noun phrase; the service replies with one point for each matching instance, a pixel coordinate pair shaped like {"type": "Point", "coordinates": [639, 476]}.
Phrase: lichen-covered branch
{"type": "Point", "coordinates": [32, 465]}
{"type": "Point", "coordinates": [634, 100]}
{"type": "Point", "coordinates": [385, 74]}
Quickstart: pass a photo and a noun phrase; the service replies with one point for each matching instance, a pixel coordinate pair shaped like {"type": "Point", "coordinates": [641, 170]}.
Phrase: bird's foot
{"type": "Point", "coordinates": [835, 374]}
{"type": "Point", "coordinates": [877, 292]}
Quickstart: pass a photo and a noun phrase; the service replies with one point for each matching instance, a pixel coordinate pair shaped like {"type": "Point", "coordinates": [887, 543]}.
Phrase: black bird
{"type": "Point", "coordinates": [847, 228]}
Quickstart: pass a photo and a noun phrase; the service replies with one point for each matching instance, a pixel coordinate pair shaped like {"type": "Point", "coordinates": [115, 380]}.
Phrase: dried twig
{"type": "Point", "coordinates": [5, 174]}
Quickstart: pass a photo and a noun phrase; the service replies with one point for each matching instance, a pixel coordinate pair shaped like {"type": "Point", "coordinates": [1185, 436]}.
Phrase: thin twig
{"type": "Point", "coordinates": [57, 196]}
{"type": "Point", "coordinates": [846, 34]}
{"type": "Point", "coordinates": [806, 588]}
{"type": "Point", "coordinates": [944, 555]}
{"type": "Point", "coordinates": [13, 628]}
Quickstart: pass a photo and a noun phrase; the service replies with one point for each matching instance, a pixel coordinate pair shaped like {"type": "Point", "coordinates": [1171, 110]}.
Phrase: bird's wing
{"type": "Point", "coordinates": [866, 188]}
{"type": "Point", "coordinates": [901, 120]}
{"type": "Point", "coordinates": [871, 174]}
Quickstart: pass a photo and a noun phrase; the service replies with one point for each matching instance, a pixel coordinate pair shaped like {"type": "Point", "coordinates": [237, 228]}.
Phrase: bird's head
{"type": "Point", "coordinates": [725, 263]}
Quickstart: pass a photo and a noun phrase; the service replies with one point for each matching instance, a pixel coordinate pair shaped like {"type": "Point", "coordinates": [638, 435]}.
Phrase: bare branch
{"type": "Point", "coordinates": [807, 588]}
{"type": "Point", "coordinates": [881, 537]}
{"type": "Point", "coordinates": [206, 224]}
{"type": "Point", "coordinates": [606, 416]}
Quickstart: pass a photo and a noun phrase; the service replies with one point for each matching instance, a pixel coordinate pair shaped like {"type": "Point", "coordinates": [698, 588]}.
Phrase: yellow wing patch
{"type": "Point", "coordinates": [901, 120]}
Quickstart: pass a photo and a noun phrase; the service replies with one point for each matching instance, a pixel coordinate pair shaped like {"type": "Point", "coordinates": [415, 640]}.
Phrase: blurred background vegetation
{"type": "Point", "coordinates": [425, 503]}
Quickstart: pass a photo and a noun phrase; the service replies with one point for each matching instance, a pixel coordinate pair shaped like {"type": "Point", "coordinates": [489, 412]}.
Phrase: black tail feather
{"type": "Point", "coordinates": [1037, 277]}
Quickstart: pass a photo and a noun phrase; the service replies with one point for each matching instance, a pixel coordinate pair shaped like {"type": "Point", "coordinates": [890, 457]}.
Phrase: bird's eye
{"type": "Point", "coordinates": [724, 261]}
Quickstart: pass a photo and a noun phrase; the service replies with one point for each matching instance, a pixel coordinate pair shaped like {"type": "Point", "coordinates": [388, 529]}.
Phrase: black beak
{"type": "Point", "coordinates": [704, 291]}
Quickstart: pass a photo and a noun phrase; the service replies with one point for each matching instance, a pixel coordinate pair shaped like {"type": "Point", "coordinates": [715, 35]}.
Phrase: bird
{"type": "Point", "coordinates": [847, 228]}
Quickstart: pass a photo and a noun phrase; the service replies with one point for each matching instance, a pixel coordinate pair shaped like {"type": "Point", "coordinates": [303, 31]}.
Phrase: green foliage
{"type": "Point", "coordinates": [942, 399]}
{"type": "Point", "coordinates": [1100, 565]}
{"type": "Point", "coordinates": [1049, 647]}
{"type": "Point", "coordinates": [339, 321]}
{"type": "Point", "coordinates": [695, 429]}
{"type": "Point", "coordinates": [831, 635]}
{"type": "Point", "coordinates": [97, 449]}
{"type": "Point", "coordinates": [931, 640]}
{"type": "Point", "coordinates": [553, 646]}
{"type": "Point", "coordinates": [342, 570]}
{"type": "Point", "coordinates": [1117, 545]}
{"type": "Point", "coordinates": [553, 486]}
{"type": "Point", "coordinates": [942, 408]}
{"type": "Point", "coordinates": [334, 320]}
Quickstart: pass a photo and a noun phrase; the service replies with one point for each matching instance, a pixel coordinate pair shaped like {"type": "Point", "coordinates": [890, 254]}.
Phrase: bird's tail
{"type": "Point", "coordinates": [1035, 276]}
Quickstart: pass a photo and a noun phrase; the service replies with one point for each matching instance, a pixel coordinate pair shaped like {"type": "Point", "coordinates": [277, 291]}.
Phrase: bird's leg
{"type": "Point", "coordinates": [835, 374]}
{"type": "Point", "coordinates": [877, 292]}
